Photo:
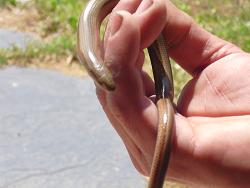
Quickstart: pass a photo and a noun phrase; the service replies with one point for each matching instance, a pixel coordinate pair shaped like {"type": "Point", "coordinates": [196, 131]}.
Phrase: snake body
{"type": "Point", "coordinates": [90, 53]}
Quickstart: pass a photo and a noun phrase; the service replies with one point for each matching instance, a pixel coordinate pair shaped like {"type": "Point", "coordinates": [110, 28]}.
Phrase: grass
{"type": "Point", "coordinates": [3, 59]}
{"type": "Point", "coordinates": [59, 20]}
{"type": "Point", "coordinates": [7, 2]}
{"type": "Point", "coordinates": [64, 14]}
{"type": "Point", "coordinates": [59, 46]}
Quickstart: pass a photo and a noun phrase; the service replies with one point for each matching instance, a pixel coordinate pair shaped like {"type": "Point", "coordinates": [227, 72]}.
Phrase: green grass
{"type": "Point", "coordinates": [3, 59]}
{"type": "Point", "coordinates": [60, 19]}
{"type": "Point", "coordinates": [7, 2]}
{"type": "Point", "coordinates": [64, 14]}
{"type": "Point", "coordinates": [63, 45]}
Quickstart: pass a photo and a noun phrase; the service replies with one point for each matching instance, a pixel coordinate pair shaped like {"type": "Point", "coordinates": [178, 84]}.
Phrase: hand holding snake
{"type": "Point", "coordinates": [212, 123]}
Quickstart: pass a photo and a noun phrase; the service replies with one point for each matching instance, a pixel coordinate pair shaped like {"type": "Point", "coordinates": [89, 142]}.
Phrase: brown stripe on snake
{"type": "Point", "coordinates": [164, 95]}
{"type": "Point", "coordinates": [90, 53]}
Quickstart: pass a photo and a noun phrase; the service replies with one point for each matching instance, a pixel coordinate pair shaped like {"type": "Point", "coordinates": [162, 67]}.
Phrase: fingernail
{"type": "Point", "coordinates": [145, 5]}
{"type": "Point", "coordinates": [117, 20]}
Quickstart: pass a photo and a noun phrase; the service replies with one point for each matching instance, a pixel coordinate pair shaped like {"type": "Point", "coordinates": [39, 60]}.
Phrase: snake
{"type": "Point", "coordinates": [89, 52]}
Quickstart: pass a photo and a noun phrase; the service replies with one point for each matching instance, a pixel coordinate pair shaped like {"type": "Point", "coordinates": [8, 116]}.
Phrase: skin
{"type": "Point", "coordinates": [212, 120]}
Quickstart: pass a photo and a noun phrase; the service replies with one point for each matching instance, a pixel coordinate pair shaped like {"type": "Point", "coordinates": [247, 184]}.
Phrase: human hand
{"type": "Point", "coordinates": [212, 123]}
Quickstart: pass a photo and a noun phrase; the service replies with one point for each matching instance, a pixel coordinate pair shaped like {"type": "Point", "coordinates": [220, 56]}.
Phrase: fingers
{"type": "Point", "coordinates": [125, 5]}
{"type": "Point", "coordinates": [122, 53]}
{"type": "Point", "coordinates": [191, 46]}
{"type": "Point", "coordinates": [152, 19]}
{"type": "Point", "coordinates": [132, 114]}
{"type": "Point", "coordinates": [146, 15]}
{"type": "Point", "coordinates": [149, 16]}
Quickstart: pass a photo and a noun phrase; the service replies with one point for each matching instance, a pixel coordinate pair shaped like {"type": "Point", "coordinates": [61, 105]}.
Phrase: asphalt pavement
{"type": "Point", "coordinates": [53, 132]}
